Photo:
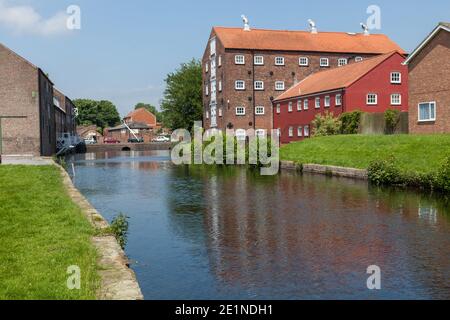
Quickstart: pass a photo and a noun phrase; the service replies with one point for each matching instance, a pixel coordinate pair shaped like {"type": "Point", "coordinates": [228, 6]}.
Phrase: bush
{"type": "Point", "coordinates": [391, 118]}
{"type": "Point", "coordinates": [326, 125]}
{"type": "Point", "coordinates": [350, 122]}
{"type": "Point", "coordinates": [119, 227]}
{"type": "Point", "coordinates": [442, 179]}
{"type": "Point", "coordinates": [383, 172]}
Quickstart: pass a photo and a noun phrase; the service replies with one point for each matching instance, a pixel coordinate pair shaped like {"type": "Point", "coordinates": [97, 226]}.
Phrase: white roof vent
{"type": "Point", "coordinates": [312, 26]}
{"type": "Point", "coordinates": [365, 28]}
{"type": "Point", "coordinates": [246, 23]}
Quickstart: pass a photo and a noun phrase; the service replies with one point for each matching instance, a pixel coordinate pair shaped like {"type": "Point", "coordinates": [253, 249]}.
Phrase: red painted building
{"type": "Point", "coordinates": [372, 85]}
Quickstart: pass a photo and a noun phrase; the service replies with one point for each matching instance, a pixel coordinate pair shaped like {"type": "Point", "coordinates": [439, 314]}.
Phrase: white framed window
{"type": "Point", "coordinates": [207, 67]}
{"type": "Point", "coordinates": [305, 104]}
{"type": "Point", "coordinates": [207, 90]}
{"type": "Point", "coordinates": [259, 110]}
{"type": "Point", "coordinates": [220, 112]}
{"type": "Point", "coordinates": [303, 61]}
{"type": "Point", "coordinates": [396, 77]}
{"type": "Point", "coordinates": [338, 99]}
{"type": "Point", "coordinates": [291, 132]}
{"type": "Point", "coordinates": [259, 60]}
{"type": "Point", "coordinates": [317, 102]}
{"type": "Point", "coordinates": [207, 114]}
{"type": "Point", "coordinates": [239, 59]}
{"type": "Point", "coordinates": [358, 59]}
{"type": "Point", "coordinates": [372, 98]}
{"type": "Point", "coordinates": [278, 108]}
{"type": "Point", "coordinates": [306, 131]}
{"type": "Point", "coordinates": [299, 105]}
{"type": "Point", "coordinates": [327, 102]}
{"type": "Point", "coordinates": [220, 85]}
{"type": "Point", "coordinates": [427, 111]}
{"type": "Point", "coordinates": [300, 131]}
{"type": "Point", "coordinates": [396, 99]}
{"type": "Point", "coordinates": [239, 85]}
{"type": "Point", "coordinates": [324, 62]}
{"type": "Point", "coordinates": [342, 62]}
{"type": "Point", "coordinates": [290, 106]}
{"type": "Point", "coordinates": [219, 61]}
{"type": "Point", "coordinates": [279, 61]}
{"type": "Point", "coordinates": [259, 85]}
{"type": "Point", "coordinates": [240, 111]}
{"type": "Point", "coordinates": [279, 85]}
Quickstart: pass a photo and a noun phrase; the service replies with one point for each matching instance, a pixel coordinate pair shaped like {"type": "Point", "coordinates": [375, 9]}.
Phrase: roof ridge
{"type": "Point", "coordinates": [304, 31]}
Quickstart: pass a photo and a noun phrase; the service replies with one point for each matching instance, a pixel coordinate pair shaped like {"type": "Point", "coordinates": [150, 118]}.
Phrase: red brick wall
{"type": "Point", "coordinates": [429, 80]}
{"type": "Point", "coordinates": [18, 81]}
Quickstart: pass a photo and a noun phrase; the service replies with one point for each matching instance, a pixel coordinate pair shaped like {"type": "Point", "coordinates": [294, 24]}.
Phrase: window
{"type": "Point", "coordinates": [338, 100]}
{"type": "Point", "coordinates": [239, 59]}
{"type": "Point", "coordinates": [342, 62]}
{"type": "Point", "coordinates": [239, 85]}
{"type": "Point", "coordinates": [299, 105]}
{"type": "Point", "coordinates": [427, 111]}
{"type": "Point", "coordinates": [317, 103]}
{"type": "Point", "coordinates": [219, 62]}
{"type": "Point", "coordinates": [206, 67]}
{"type": "Point", "coordinates": [259, 85]}
{"type": "Point", "coordinates": [372, 99]}
{"type": "Point", "coordinates": [279, 85]}
{"type": "Point", "coordinates": [306, 130]}
{"type": "Point", "coordinates": [291, 131]}
{"type": "Point", "coordinates": [278, 108]}
{"type": "Point", "coordinates": [279, 61]}
{"type": "Point", "coordinates": [327, 101]}
{"type": "Point", "coordinates": [259, 60]}
{"type": "Point", "coordinates": [358, 59]}
{"type": "Point", "coordinates": [220, 112]}
{"type": "Point", "coordinates": [303, 61]}
{"type": "Point", "coordinates": [259, 110]}
{"type": "Point", "coordinates": [305, 104]}
{"type": "Point", "coordinates": [300, 131]}
{"type": "Point", "coordinates": [396, 77]}
{"type": "Point", "coordinates": [324, 62]}
{"type": "Point", "coordinates": [240, 111]}
{"type": "Point", "coordinates": [396, 99]}
{"type": "Point", "coordinates": [207, 90]}
{"type": "Point", "coordinates": [220, 86]}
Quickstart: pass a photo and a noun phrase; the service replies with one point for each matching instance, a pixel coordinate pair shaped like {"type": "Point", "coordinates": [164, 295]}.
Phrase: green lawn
{"type": "Point", "coordinates": [42, 233]}
{"type": "Point", "coordinates": [419, 153]}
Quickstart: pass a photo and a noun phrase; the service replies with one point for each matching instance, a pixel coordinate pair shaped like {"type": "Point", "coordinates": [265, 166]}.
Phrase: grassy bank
{"type": "Point", "coordinates": [42, 233]}
{"type": "Point", "coordinates": [412, 153]}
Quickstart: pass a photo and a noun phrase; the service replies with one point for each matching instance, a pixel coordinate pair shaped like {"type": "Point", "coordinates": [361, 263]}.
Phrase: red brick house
{"type": "Point", "coordinates": [372, 85]}
{"type": "Point", "coordinates": [245, 69]}
{"type": "Point", "coordinates": [429, 83]}
{"type": "Point", "coordinates": [142, 115]}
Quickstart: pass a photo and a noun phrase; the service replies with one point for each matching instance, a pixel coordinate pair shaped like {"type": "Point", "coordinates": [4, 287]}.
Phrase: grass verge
{"type": "Point", "coordinates": [42, 233]}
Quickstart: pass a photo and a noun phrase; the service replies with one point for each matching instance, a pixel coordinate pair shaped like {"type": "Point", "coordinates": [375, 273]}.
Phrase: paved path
{"type": "Point", "coordinates": [27, 160]}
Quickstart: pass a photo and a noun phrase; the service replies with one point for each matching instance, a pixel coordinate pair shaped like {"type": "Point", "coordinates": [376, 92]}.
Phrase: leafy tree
{"type": "Point", "coordinates": [182, 102]}
{"type": "Point", "coordinates": [150, 108]}
{"type": "Point", "coordinates": [102, 113]}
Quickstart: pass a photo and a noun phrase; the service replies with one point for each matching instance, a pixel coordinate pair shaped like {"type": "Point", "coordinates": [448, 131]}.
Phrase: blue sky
{"type": "Point", "coordinates": [125, 48]}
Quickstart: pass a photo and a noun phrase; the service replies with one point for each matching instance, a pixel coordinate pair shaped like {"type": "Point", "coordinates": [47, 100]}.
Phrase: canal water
{"type": "Point", "coordinates": [228, 233]}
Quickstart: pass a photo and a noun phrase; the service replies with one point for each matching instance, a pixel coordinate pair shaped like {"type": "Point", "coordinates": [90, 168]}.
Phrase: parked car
{"type": "Point", "coordinates": [91, 140]}
{"type": "Point", "coordinates": [161, 139]}
{"type": "Point", "coordinates": [111, 140]}
{"type": "Point", "coordinates": [136, 140]}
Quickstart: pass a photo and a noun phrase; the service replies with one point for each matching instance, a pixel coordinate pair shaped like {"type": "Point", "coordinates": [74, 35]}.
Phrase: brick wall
{"type": "Point", "coordinates": [19, 96]}
{"type": "Point", "coordinates": [429, 80]}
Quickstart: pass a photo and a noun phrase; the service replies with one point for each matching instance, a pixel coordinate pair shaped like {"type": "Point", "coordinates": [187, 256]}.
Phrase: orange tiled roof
{"type": "Point", "coordinates": [332, 79]}
{"type": "Point", "coordinates": [261, 39]}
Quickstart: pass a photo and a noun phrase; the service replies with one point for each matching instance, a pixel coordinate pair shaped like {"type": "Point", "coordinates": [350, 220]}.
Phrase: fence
{"type": "Point", "coordinates": [374, 123]}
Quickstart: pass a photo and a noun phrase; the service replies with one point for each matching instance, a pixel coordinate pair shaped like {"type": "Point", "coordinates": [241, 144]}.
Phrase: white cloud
{"type": "Point", "coordinates": [26, 20]}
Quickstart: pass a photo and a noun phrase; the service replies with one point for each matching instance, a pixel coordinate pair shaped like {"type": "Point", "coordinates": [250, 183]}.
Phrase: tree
{"type": "Point", "coordinates": [150, 108]}
{"type": "Point", "coordinates": [182, 102]}
{"type": "Point", "coordinates": [102, 113]}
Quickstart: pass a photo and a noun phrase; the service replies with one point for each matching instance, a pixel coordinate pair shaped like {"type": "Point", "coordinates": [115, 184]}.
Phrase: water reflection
{"type": "Point", "coordinates": [201, 233]}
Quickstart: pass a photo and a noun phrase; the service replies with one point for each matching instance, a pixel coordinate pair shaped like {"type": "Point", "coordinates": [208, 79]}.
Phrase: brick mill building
{"type": "Point", "coordinates": [34, 113]}
{"type": "Point", "coordinates": [429, 83]}
{"type": "Point", "coordinates": [245, 69]}
{"type": "Point", "coordinates": [372, 85]}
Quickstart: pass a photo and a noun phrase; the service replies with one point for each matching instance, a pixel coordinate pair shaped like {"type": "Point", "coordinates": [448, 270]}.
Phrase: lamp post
{"type": "Point", "coordinates": [1, 137]}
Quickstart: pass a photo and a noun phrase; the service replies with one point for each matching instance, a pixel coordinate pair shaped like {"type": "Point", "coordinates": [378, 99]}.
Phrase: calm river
{"type": "Point", "coordinates": [227, 233]}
